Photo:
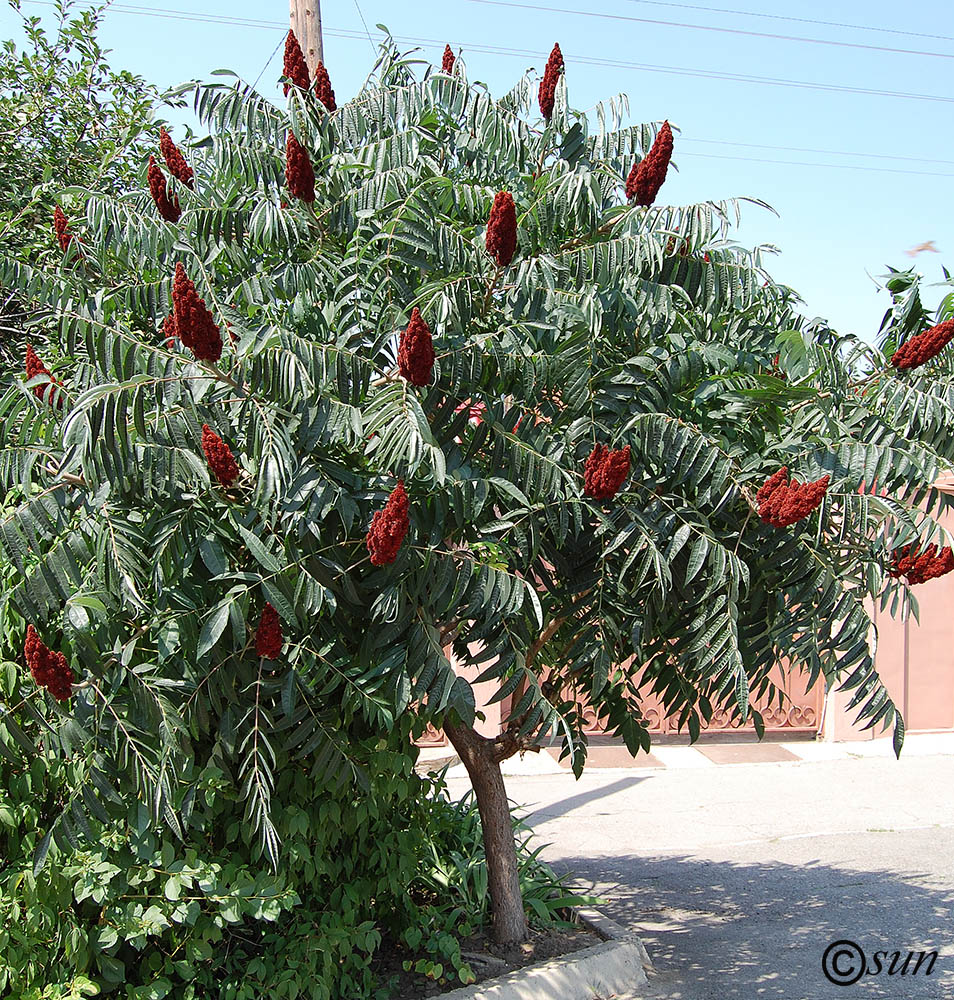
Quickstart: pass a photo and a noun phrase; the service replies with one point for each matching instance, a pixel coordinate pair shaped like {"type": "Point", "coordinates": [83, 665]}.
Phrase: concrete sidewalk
{"type": "Point", "coordinates": [737, 876]}
{"type": "Point", "coordinates": [606, 755]}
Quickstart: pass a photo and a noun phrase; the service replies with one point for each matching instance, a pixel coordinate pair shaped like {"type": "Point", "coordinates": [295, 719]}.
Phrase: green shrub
{"type": "Point", "coordinates": [66, 118]}
{"type": "Point", "coordinates": [136, 913]}
{"type": "Point", "coordinates": [457, 867]}
{"type": "Point", "coordinates": [143, 915]}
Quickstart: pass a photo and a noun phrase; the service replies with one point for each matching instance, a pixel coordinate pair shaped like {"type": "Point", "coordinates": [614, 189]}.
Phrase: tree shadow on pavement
{"type": "Point", "coordinates": [719, 930]}
{"type": "Point", "coordinates": [528, 810]}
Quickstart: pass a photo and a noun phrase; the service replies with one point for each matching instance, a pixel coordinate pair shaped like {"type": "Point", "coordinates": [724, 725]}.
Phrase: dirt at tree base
{"type": "Point", "coordinates": [484, 957]}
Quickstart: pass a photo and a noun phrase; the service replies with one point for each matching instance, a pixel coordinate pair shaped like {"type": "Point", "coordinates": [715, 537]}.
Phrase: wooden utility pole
{"type": "Point", "coordinates": [305, 17]}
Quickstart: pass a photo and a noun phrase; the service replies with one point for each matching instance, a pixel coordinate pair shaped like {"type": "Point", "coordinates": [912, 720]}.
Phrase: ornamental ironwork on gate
{"type": "Point", "coordinates": [798, 714]}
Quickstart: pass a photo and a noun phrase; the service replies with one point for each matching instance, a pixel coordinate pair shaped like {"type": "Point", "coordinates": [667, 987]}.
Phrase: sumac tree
{"type": "Point", "coordinates": [590, 418]}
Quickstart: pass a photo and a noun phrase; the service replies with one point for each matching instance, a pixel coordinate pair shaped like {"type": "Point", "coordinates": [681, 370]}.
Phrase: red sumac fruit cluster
{"type": "Point", "coordinates": [268, 636]}
{"type": "Point", "coordinates": [551, 75]}
{"type": "Point", "coordinates": [388, 528]}
{"type": "Point", "coordinates": [295, 69]}
{"type": "Point", "coordinates": [416, 351]}
{"type": "Point", "coordinates": [501, 237]}
{"type": "Point", "coordinates": [193, 322]}
{"type": "Point", "coordinates": [48, 668]}
{"type": "Point", "coordinates": [919, 567]}
{"type": "Point", "coordinates": [168, 208]}
{"type": "Point", "coordinates": [219, 456]}
{"type": "Point", "coordinates": [646, 177]}
{"type": "Point", "coordinates": [781, 503]}
{"type": "Point", "coordinates": [924, 346]}
{"type": "Point", "coordinates": [605, 472]}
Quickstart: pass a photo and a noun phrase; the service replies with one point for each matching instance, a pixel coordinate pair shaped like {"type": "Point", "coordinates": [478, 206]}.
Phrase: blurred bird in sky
{"type": "Point", "coordinates": [921, 247]}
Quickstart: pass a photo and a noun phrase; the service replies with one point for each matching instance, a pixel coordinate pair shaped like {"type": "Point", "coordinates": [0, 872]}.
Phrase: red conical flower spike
{"type": "Point", "coordinates": [298, 170]}
{"type": "Point", "coordinates": [447, 64]}
{"type": "Point", "coordinates": [547, 92]}
{"type": "Point", "coordinates": [268, 637]}
{"type": "Point", "coordinates": [922, 347]}
{"type": "Point", "coordinates": [605, 472]}
{"type": "Point", "coordinates": [647, 176]}
{"type": "Point", "coordinates": [920, 567]}
{"type": "Point", "coordinates": [193, 321]}
{"type": "Point", "coordinates": [502, 229]}
{"type": "Point", "coordinates": [61, 228]}
{"type": "Point", "coordinates": [34, 366]}
{"type": "Point", "coordinates": [48, 669]}
{"type": "Point", "coordinates": [175, 161]}
{"type": "Point", "coordinates": [295, 69]}
{"type": "Point", "coordinates": [416, 351]}
{"type": "Point", "coordinates": [323, 87]}
{"type": "Point", "coordinates": [774, 482]}
{"type": "Point", "coordinates": [781, 503]}
{"type": "Point", "coordinates": [388, 528]}
{"type": "Point", "coordinates": [169, 210]}
{"type": "Point", "coordinates": [219, 456]}
{"type": "Point", "coordinates": [169, 330]}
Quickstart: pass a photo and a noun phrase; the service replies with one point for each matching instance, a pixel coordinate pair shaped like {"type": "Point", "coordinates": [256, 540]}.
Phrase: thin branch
{"type": "Point", "coordinates": [545, 636]}
{"type": "Point", "coordinates": [589, 237]}
{"type": "Point", "coordinates": [491, 285]}
{"type": "Point", "coordinates": [67, 477]}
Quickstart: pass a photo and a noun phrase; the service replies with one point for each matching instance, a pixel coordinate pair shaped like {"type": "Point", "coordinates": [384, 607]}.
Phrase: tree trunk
{"type": "Point", "coordinates": [479, 756]}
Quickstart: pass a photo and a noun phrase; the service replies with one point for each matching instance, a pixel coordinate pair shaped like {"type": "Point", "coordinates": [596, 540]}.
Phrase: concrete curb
{"type": "Point", "coordinates": [617, 965]}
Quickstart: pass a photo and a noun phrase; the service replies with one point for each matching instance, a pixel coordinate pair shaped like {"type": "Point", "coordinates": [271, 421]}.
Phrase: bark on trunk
{"type": "Point", "coordinates": [479, 756]}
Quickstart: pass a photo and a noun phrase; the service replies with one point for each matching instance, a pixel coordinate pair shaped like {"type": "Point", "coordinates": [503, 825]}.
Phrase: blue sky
{"type": "Point", "coordinates": [839, 224]}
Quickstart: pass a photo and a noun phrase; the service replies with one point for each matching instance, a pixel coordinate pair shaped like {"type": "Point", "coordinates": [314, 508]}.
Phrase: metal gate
{"type": "Point", "coordinates": [800, 713]}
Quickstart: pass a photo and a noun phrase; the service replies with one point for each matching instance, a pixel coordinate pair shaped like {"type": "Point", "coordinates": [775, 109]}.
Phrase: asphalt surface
{"type": "Point", "coordinates": [738, 877]}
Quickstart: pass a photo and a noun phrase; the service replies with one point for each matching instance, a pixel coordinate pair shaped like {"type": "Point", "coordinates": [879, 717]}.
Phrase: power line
{"type": "Point", "coordinates": [584, 60]}
{"type": "Point", "coordinates": [581, 59]}
{"type": "Point", "coordinates": [256, 22]}
{"type": "Point", "coordinates": [802, 163]}
{"type": "Point", "coordinates": [525, 53]}
{"type": "Point", "coordinates": [176, 15]}
{"type": "Point", "coordinates": [673, 70]}
{"type": "Point", "coordinates": [682, 138]}
{"type": "Point", "coordinates": [809, 149]}
{"type": "Point", "coordinates": [365, 23]}
{"type": "Point", "coordinates": [267, 64]}
{"type": "Point", "coordinates": [710, 27]}
{"type": "Point", "coordinates": [798, 20]}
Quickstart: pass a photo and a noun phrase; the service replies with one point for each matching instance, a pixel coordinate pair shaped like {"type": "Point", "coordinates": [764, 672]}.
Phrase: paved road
{"type": "Point", "coordinates": [737, 877]}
